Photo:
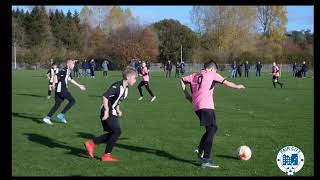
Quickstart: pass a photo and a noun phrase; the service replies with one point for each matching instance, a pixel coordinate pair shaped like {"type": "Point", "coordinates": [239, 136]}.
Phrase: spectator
{"type": "Point", "coordinates": [105, 68]}
{"type": "Point", "coordinates": [258, 69]}
{"type": "Point", "coordinates": [168, 68]}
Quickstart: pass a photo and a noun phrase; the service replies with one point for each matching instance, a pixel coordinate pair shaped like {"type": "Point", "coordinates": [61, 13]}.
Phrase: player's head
{"type": "Point", "coordinates": [143, 64]}
{"type": "Point", "coordinates": [274, 63]}
{"type": "Point", "coordinates": [304, 62]}
{"type": "Point", "coordinates": [70, 64]}
{"type": "Point", "coordinates": [129, 74]}
{"type": "Point", "coordinates": [54, 65]}
{"type": "Point", "coordinates": [211, 66]}
{"type": "Point", "coordinates": [259, 62]}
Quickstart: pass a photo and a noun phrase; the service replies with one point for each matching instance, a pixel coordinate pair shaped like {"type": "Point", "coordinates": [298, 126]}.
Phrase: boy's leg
{"type": "Point", "coordinates": [113, 123]}
{"type": "Point", "coordinates": [71, 100]}
{"type": "Point", "coordinates": [58, 100]}
{"type": "Point", "coordinates": [149, 90]}
{"type": "Point", "coordinates": [139, 88]}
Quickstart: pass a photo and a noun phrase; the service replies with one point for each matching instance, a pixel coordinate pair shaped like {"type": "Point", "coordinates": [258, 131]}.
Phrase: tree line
{"type": "Point", "coordinates": [222, 33]}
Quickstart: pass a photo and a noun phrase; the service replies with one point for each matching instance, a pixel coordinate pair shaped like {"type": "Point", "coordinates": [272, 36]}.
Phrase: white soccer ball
{"type": "Point", "coordinates": [244, 153]}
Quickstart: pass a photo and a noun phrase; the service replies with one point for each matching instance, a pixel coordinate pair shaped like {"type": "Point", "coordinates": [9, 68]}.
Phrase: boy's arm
{"type": "Point", "coordinates": [106, 108]}
{"type": "Point", "coordinates": [118, 111]}
{"type": "Point", "coordinates": [82, 87]}
{"type": "Point", "coordinates": [187, 95]}
{"type": "Point", "coordinates": [55, 79]}
{"type": "Point", "coordinates": [232, 85]}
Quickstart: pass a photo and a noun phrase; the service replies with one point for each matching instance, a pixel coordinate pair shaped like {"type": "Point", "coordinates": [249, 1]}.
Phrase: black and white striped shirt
{"type": "Point", "coordinates": [52, 72]}
{"type": "Point", "coordinates": [63, 76]}
{"type": "Point", "coordinates": [115, 95]}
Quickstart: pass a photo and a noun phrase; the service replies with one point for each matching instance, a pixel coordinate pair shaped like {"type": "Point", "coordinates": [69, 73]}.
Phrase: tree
{"type": "Point", "coordinates": [39, 27]}
{"type": "Point", "coordinates": [226, 31]}
{"type": "Point", "coordinates": [127, 43]}
{"type": "Point", "coordinates": [172, 35]}
{"type": "Point", "coordinates": [272, 20]}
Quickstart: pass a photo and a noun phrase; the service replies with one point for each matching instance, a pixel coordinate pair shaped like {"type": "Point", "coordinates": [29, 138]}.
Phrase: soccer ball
{"type": "Point", "coordinates": [244, 153]}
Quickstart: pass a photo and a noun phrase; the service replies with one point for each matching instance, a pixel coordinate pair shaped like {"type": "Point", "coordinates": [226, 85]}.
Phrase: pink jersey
{"type": "Point", "coordinates": [275, 71]}
{"type": "Point", "coordinates": [202, 85]}
{"type": "Point", "coordinates": [145, 74]}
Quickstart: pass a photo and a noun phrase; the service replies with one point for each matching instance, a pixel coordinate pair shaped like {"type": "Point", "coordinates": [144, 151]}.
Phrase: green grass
{"type": "Point", "coordinates": [158, 139]}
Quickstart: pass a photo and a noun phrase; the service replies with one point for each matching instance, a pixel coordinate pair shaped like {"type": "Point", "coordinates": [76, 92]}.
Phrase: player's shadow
{"type": "Point", "coordinates": [95, 96]}
{"type": "Point", "coordinates": [157, 152]}
{"type": "Point", "coordinates": [227, 156]}
{"type": "Point", "coordinates": [27, 116]}
{"type": "Point", "coordinates": [90, 136]}
{"type": "Point", "coordinates": [32, 95]}
{"type": "Point", "coordinates": [51, 143]}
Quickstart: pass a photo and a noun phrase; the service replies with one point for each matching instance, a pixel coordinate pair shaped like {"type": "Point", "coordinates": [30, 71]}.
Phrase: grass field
{"type": "Point", "coordinates": [158, 138]}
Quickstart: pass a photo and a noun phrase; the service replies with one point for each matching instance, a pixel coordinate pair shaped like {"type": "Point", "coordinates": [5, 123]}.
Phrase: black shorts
{"type": "Point", "coordinates": [275, 78]}
{"type": "Point", "coordinates": [109, 124]}
{"type": "Point", "coordinates": [144, 83]}
{"type": "Point", "coordinates": [60, 96]}
{"type": "Point", "coordinates": [207, 117]}
{"type": "Point", "coordinates": [50, 83]}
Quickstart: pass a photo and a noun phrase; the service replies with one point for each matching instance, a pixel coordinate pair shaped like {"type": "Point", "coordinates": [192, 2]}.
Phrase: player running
{"type": "Point", "coordinates": [109, 113]}
{"type": "Point", "coordinates": [61, 92]}
{"type": "Point", "coordinates": [145, 82]}
{"type": "Point", "coordinates": [202, 86]}
{"type": "Point", "coordinates": [275, 75]}
{"type": "Point", "coordinates": [50, 74]}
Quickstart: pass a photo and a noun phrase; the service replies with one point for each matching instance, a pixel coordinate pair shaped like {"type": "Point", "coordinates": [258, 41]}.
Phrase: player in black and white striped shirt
{"type": "Point", "coordinates": [61, 92]}
{"type": "Point", "coordinates": [50, 74]}
{"type": "Point", "coordinates": [109, 113]}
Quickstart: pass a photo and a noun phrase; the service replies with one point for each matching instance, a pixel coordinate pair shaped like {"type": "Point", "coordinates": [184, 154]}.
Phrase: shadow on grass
{"type": "Point", "coordinates": [32, 95]}
{"type": "Point", "coordinates": [95, 96]}
{"type": "Point", "coordinates": [27, 116]}
{"type": "Point", "coordinates": [156, 152]}
{"type": "Point", "coordinates": [51, 143]}
{"type": "Point", "coordinates": [227, 156]}
{"type": "Point", "coordinates": [90, 136]}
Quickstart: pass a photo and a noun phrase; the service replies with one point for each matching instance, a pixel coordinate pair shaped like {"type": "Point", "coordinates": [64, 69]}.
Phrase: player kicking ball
{"type": "Point", "coordinates": [110, 113]}
{"type": "Point", "coordinates": [145, 82]}
{"type": "Point", "coordinates": [202, 86]}
{"type": "Point", "coordinates": [62, 92]}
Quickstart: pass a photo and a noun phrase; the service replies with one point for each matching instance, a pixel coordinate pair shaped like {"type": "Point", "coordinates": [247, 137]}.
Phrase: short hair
{"type": "Point", "coordinates": [210, 64]}
{"type": "Point", "coordinates": [127, 71]}
{"type": "Point", "coordinates": [53, 64]}
{"type": "Point", "coordinates": [70, 60]}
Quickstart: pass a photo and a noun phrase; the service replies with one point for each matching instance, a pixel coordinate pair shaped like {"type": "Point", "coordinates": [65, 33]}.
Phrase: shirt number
{"type": "Point", "coordinates": [199, 81]}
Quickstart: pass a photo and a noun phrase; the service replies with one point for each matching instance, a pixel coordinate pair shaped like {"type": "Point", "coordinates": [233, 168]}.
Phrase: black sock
{"type": "Point", "coordinates": [274, 84]}
{"type": "Point", "coordinates": [49, 93]}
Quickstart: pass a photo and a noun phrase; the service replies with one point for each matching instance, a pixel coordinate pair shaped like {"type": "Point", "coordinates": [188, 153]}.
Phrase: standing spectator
{"type": "Point", "coordinates": [246, 69]}
{"type": "Point", "coordinates": [178, 68]}
{"type": "Point", "coordinates": [233, 69]}
{"type": "Point", "coordinates": [105, 68]}
{"type": "Point", "coordinates": [304, 69]}
{"type": "Point", "coordinates": [182, 67]}
{"type": "Point", "coordinates": [239, 69]}
{"type": "Point", "coordinates": [85, 67]}
{"type": "Point", "coordinates": [92, 67]}
{"type": "Point", "coordinates": [294, 69]}
{"type": "Point", "coordinates": [76, 69]}
{"type": "Point", "coordinates": [148, 65]}
{"type": "Point", "coordinates": [258, 69]}
{"type": "Point", "coordinates": [168, 68]}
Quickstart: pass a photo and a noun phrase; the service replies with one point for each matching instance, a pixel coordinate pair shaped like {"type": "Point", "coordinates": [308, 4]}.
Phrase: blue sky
{"type": "Point", "coordinates": [299, 17]}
